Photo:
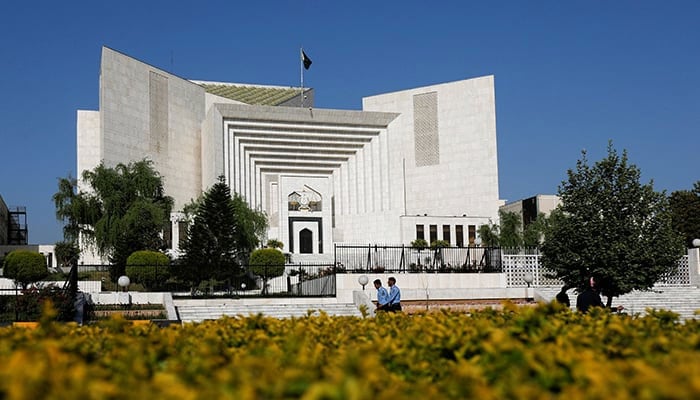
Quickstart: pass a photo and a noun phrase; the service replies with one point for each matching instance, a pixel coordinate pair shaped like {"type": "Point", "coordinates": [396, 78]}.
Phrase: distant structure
{"type": "Point", "coordinates": [4, 221]}
{"type": "Point", "coordinates": [531, 207]}
{"type": "Point", "coordinates": [13, 224]}
{"type": "Point", "coordinates": [14, 234]}
{"type": "Point", "coordinates": [418, 163]}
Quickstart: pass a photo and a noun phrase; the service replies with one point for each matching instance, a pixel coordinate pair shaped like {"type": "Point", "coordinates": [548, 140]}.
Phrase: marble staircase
{"type": "Point", "coordinates": [198, 313]}
{"type": "Point", "coordinates": [682, 300]}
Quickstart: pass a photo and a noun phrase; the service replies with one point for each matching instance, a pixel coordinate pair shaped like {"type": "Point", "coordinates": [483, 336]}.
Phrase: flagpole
{"type": "Point", "coordinates": [301, 68]}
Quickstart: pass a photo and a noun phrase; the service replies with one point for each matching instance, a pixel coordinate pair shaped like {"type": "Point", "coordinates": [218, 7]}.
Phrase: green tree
{"type": "Point", "coordinates": [610, 226]}
{"type": "Point", "coordinates": [275, 244]}
{"type": "Point", "coordinates": [251, 226]}
{"type": "Point", "coordinates": [510, 228]}
{"type": "Point", "coordinates": [25, 267]}
{"type": "Point", "coordinates": [267, 263]}
{"type": "Point", "coordinates": [67, 253]}
{"type": "Point", "coordinates": [534, 232]}
{"type": "Point", "coordinates": [70, 208]}
{"type": "Point", "coordinates": [224, 232]}
{"type": "Point", "coordinates": [685, 213]}
{"type": "Point", "coordinates": [122, 210]}
{"type": "Point", "coordinates": [149, 268]}
{"type": "Point", "coordinates": [490, 235]}
{"type": "Point", "coordinates": [508, 233]}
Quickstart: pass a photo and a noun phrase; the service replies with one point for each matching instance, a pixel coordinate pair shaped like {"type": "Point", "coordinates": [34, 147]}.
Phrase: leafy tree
{"type": "Point", "coordinates": [251, 226]}
{"type": "Point", "coordinates": [534, 232]}
{"type": "Point", "coordinates": [610, 226]}
{"type": "Point", "coordinates": [490, 235]}
{"type": "Point", "coordinates": [436, 244]}
{"type": "Point", "coordinates": [267, 263]}
{"type": "Point", "coordinates": [685, 213]}
{"type": "Point", "coordinates": [122, 210]}
{"type": "Point", "coordinates": [510, 228]}
{"type": "Point", "coordinates": [507, 234]}
{"type": "Point", "coordinates": [70, 208]}
{"type": "Point", "coordinates": [149, 268]}
{"type": "Point", "coordinates": [275, 244]}
{"type": "Point", "coordinates": [224, 231]}
{"type": "Point", "coordinates": [25, 267]}
{"type": "Point", "coordinates": [419, 244]}
{"type": "Point", "coordinates": [67, 253]}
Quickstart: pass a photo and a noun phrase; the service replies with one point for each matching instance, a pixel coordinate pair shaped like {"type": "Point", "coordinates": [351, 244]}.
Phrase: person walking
{"type": "Point", "coordinates": [562, 297]}
{"type": "Point", "coordinates": [394, 295]}
{"type": "Point", "coordinates": [590, 298]}
{"type": "Point", "coordinates": [382, 296]}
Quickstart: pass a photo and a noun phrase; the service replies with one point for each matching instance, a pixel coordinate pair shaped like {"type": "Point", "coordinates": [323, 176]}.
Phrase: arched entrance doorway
{"type": "Point", "coordinates": [306, 241]}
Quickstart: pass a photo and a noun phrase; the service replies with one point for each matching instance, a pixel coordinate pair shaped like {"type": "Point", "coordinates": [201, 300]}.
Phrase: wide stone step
{"type": "Point", "coordinates": [683, 301]}
{"type": "Point", "coordinates": [196, 313]}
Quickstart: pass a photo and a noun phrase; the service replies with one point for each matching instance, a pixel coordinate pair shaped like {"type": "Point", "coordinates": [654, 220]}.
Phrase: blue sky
{"type": "Point", "coordinates": [570, 75]}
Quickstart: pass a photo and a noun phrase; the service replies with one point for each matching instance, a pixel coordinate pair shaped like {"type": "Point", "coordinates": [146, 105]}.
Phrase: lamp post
{"type": "Point", "coordinates": [124, 282]}
{"type": "Point", "coordinates": [363, 280]}
{"type": "Point", "coordinates": [123, 297]}
{"type": "Point", "coordinates": [528, 278]}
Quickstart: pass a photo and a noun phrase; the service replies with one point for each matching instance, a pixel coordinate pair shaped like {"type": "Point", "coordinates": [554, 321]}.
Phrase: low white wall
{"type": "Point", "coordinates": [164, 298]}
{"type": "Point", "coordinates": [83, 286]}
{"type": "Point", "coordinates": [136, 297]}
{"type": "Point", "coordinates": [259, 301]}
{"type": "Point", "coordinates": [412, 284]}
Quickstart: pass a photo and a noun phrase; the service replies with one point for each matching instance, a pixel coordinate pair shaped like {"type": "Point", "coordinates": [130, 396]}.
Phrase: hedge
{"type": "Point", "coordinates": [149, 268]}
{"type": "Point", "coordinates": [25, 266]}
{"type": "Point", "coordinates": [543, 352]}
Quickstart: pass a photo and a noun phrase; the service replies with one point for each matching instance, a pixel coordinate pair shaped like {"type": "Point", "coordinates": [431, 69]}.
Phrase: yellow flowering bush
{"type": "Point", "coordinates": [542, 352]}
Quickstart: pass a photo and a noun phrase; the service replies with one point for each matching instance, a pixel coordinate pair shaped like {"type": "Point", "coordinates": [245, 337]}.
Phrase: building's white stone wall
{"type": "Point", "coordinates": [125, 104]}
{"type": "Point", "coordinates": [465, 181]}
{"type": "Point", "coordinates": [376, 178]}
{"type": "Point", "coordinates": [546, 203]}
{"type": "Point", "coordinates": [89, 150]}
{"type": "Point", "coordinates": [46, 250]}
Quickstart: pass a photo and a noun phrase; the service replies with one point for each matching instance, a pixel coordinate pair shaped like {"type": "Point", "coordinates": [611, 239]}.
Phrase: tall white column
{"type": "Point", "coordinates": [175, 219]}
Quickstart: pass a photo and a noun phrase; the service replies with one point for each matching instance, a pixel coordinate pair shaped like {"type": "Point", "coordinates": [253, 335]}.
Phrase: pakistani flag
{"type": "Point", "coordinates": [305, 59]}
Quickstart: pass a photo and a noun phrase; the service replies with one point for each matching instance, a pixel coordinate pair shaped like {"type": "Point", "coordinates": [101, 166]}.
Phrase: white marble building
{"type": "Point", "coordinates": [419, 162]}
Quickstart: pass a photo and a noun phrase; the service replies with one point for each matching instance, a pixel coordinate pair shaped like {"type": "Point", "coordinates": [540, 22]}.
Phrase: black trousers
{"type": "Point", "coordinates": [394, 307]}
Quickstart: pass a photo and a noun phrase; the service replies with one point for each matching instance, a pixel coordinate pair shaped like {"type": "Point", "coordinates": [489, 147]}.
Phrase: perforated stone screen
{"type": "Point", "coordinates": [425, 126]}
{"type": "Point", "coordinates": [158, 108]}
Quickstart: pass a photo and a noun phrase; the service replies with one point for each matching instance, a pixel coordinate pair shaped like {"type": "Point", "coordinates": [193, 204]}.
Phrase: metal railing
{"type": "Point", "coordinates": [293, 280]}
{"type": "Point", "coordinates": [397, 258]}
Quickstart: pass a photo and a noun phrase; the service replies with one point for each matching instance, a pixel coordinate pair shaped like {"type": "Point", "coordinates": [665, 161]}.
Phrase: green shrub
{"type": "Point", "coordinates": [436, 244]}
{"type": "Point", "coordinates": [25, 267]}
{"type": "Point", "coordinates": [419, 244]}
{"type": "Point", "coordinates": [275, 244]}
{"type": "Point", "coordinates": [30, 305]}
{"type": "Point", "coordinates": [148, 268]}
{"type": "Point", "coordinates": [267, 263]}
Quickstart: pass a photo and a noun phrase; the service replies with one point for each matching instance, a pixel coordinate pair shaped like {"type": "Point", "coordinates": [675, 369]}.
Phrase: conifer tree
{"type": "Point", "coordinates": [222, 235]}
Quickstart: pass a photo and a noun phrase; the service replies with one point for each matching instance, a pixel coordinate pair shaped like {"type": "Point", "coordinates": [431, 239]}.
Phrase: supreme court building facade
{"type": "Point", "coordinates": [415, 163]}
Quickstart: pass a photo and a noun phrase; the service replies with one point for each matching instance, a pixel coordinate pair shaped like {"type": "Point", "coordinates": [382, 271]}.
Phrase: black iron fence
{"type": "Point", "coordinates": [294, 280]}
{"type": "Point", "coordinates": [392, 258]}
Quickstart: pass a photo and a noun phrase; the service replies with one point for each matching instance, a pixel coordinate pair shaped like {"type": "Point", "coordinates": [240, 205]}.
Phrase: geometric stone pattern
{"type": "Point", "coordinates": [425, 122]}
{"type": "Point", "coordinates": [158, 104]}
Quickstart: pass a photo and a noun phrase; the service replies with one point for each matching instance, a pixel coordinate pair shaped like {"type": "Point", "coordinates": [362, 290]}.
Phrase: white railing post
{"type": "Point", "coordinates": [694, 266]}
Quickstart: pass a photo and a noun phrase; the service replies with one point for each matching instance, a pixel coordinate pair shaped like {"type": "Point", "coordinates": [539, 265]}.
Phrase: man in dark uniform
{"type": "Point", "coordinates": [590, 298]}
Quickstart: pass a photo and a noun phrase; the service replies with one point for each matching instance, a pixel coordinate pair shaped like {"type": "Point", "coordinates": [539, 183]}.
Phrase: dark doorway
{"type": "Point", "coordinates": [306, 241]}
